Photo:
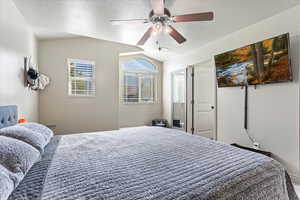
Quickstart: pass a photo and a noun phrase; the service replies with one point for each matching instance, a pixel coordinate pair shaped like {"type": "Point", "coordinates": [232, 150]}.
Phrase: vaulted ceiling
{"type": "Point", "coordinates": [54, 18]}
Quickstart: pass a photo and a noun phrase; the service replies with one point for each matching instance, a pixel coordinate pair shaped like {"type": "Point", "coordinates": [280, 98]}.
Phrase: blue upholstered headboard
{"type": "Point", "coordinates": [8, 116]}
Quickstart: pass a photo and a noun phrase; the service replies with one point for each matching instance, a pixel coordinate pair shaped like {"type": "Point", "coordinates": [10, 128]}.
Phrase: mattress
{"type": "Point", "coordinates": [151, 163]}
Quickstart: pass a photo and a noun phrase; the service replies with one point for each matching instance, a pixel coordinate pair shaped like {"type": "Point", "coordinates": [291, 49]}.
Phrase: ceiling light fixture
{"type": "Point", "coordinates": [162, 21]}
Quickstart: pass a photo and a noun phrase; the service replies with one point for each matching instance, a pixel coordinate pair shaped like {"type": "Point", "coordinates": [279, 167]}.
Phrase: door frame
{"type": "Point", "coordinates": [190, 100]}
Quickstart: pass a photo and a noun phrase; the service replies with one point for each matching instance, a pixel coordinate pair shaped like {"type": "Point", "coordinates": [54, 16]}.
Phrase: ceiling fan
{"type": "Point", "coordinates": [162, 19]}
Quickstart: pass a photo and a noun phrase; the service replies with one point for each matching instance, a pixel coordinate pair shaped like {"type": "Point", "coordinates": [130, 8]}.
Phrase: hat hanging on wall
{"type": "Point", "coordinates": [32, 78]}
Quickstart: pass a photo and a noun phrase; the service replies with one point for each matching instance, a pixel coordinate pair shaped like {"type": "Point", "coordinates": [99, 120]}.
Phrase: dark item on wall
{"type": "Point", "coordinates": [32, 78]}
{"type": "Point", "coordinates": [160, 123]}
{"type": "Point", "coordinates": [31, 75]}
{"type": "Point", "coordinates": [246, 108]}
{"type": "Point", "coordinates": [263, 62]}
{"type": "Point", "coordinates": [266, 153]}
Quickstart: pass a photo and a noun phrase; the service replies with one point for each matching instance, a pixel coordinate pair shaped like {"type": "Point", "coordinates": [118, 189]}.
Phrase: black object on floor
{"type": "Point", "coordinates": [177, 123]}
{"type": "Point", "coordinates": [266, 153]}
{"type": "Point", "coordinates": [160, 123]}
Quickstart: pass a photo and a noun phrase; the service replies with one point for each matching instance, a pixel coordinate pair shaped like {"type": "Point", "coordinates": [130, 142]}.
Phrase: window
{"type": "Point", "coordinates": [81, 78]}
{"type": "Point", "coordinates": [139, 81]}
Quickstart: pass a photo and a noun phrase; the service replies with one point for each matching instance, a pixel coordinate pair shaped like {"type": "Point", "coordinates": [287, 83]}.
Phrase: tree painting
{"type": "Point", "coordinates": [259, 63]}
{"type": "Point", "coordinates": [232, 66]}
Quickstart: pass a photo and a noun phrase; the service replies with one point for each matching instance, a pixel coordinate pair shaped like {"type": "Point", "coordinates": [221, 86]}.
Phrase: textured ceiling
{"type": "Point", "coordinates": [55, 18]}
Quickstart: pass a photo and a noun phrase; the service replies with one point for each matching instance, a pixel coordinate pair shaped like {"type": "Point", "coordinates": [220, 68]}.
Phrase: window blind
{"type": "Point", "coordinates": [139, 81]}
{"type": "Point", "coordinates": [139, 87]}
{"type": "Point", "coordinates": [81, 78]}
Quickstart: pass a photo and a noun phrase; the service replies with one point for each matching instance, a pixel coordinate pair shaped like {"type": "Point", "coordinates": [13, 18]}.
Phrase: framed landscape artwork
{"type": "Point", "coordinates": [264, 62]}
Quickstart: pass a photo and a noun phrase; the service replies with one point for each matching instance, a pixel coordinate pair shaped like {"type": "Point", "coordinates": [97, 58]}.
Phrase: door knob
{"type": "Point", "coordinates": [212, 107]}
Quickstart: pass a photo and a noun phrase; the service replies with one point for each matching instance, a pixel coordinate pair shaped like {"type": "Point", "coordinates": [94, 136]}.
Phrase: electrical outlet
{"type": "Point", "coordinates": [256, 145]}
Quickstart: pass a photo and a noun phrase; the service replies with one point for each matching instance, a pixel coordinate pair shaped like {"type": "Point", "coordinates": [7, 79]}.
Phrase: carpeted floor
{"type": "Point", "coordinates": [297, 188]}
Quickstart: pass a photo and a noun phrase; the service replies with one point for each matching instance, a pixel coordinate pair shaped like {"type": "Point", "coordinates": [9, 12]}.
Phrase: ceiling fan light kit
{"type": "Point", "coordinates": [162, 21]}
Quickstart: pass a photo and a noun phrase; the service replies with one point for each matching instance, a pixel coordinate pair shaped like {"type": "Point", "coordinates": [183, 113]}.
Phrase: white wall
{"type": "Point", "coordinates": [273, 109]}
{"type": "Point", "coordinates": [16, 41]}
{"type": "Point", "coordinates": [132, 115]}
{"type": "Point", "coordinates": [80, 114]}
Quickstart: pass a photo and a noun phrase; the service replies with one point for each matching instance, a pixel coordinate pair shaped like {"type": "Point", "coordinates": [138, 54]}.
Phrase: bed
{"type": "Point", "coordinates": [150, 163]}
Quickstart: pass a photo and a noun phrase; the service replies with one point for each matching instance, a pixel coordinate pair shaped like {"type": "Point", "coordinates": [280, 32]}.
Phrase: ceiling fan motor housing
{"type": "Point", "coordinates": [165, 19]}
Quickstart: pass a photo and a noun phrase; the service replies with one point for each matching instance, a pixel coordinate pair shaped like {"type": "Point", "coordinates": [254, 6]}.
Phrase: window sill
{"type": "Point", "coordinates": [142, 103]}
{"type": "Point", "coordinates": [81, 96]}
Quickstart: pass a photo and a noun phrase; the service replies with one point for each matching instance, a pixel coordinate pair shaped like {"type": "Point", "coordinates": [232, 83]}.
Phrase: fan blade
{"type": "Point", "coordinates": [176, 35]}
{"type": "Point", "coordinates": [129, 21]}
{"type": "Point", "coordinates": [145, 37]}
{"type": "Point", "coordinates": [158, 7]}
{"type": "Point", "coordinates": [208, 16]}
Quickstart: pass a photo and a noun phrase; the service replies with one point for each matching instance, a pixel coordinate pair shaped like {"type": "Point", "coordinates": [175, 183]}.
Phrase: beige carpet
{"type": "Point", "coordinates": [297, 188]}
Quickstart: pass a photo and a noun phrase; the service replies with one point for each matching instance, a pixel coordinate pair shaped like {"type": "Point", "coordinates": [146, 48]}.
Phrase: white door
{"type": "Point", "coordinates": [204, 100]}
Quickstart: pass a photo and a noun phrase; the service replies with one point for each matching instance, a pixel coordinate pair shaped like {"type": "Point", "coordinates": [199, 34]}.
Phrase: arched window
{"type": "Point", "coordinates": [139, 81]}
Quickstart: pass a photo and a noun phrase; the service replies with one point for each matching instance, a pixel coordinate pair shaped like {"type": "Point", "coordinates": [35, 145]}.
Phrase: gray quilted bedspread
{"type": "Point", "coordinates": [151, 163]}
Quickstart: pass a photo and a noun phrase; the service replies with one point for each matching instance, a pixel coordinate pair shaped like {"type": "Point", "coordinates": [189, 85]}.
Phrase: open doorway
{"type": "Point", "coordinates": [179, 99]}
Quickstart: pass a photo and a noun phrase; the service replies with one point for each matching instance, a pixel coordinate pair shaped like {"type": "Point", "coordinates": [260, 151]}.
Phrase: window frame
{"type": "Point", "coordinates": [122, 86]}
{"type": "Point", "coordinates": [93, 79]}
